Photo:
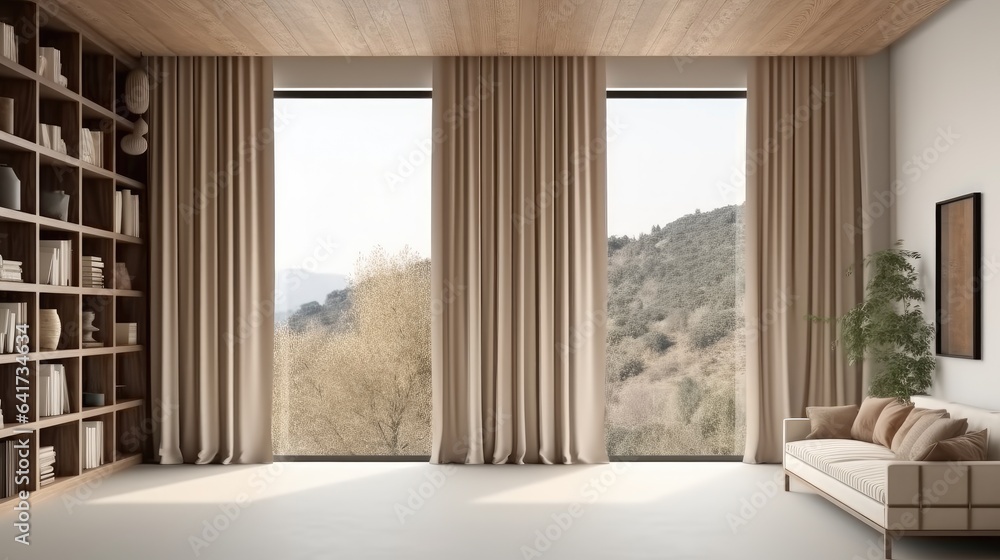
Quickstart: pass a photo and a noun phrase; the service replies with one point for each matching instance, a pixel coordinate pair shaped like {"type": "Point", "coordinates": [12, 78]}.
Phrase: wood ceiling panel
{"type": "Point", "coordinates": [503, 27]}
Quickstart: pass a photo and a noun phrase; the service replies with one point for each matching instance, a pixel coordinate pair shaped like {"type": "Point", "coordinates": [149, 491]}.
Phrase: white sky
{"type": "Point", "coordinates": [356, 173]}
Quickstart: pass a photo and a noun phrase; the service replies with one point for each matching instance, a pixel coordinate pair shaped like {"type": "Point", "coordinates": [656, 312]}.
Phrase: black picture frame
{"type": "Point", "coordinates": [958, 294]}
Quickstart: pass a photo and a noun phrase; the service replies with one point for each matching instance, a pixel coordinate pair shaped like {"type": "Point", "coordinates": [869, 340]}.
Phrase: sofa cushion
{"type": "Point", "coordinates": [831, 422]}
{"type": "Point", "coordinates": [911, 420]}
{"type": "Point", "coordinates": [889, 422]}
{"type": "Point", "coordinates": [864, 424]}
{"type": "Point", "coordinates": [940, 430]}
{"type": "Point", "coordinates": [858, 464]}
{"type": "Point", "coordinates": [968, 447]}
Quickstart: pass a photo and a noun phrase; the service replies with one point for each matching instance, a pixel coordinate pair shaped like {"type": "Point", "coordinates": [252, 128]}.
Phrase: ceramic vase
{"type": "Point", "coordinates": [49, 329]}
{"type": "Point", "coordinates": [89, 329]}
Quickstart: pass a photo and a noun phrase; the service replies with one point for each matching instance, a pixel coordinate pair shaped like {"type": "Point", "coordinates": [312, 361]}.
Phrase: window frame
{"type": "Point", "coordinates": [677, 94]}
{"type": "Point", "coordinates": [427, 94]}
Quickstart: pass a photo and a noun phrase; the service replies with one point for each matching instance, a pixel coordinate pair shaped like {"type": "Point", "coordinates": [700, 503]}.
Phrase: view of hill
{"type": "Point", "coordinates": [355, 363]}
{"type": "Point", "coordinates": [298, 287]}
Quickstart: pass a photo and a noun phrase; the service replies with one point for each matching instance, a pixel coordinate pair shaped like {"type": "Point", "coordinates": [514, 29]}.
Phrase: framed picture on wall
{"type": "Point", "coordinates": [959, 282]}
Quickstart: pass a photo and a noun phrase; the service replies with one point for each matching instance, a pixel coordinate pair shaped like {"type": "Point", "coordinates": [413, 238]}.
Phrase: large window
{"type": "Point", "coordinates": [352, 259]}
{"type": "Point", "coordinates": [676, 352]}
{"type": "Point", "coordinates": [352, 354]}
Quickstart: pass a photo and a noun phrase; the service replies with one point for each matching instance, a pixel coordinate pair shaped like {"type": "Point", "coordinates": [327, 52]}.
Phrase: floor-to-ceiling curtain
{"type": "Point", "coordinates": [806, 228]}
{"type": "Point", "coordinates": [212, 252]}
{"type": "Point", "coordinates": [519, 272]}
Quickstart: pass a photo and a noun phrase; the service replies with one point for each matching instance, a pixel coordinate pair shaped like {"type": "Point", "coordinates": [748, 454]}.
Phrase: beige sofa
{"type": "Point", "coordinates": [902, 498]}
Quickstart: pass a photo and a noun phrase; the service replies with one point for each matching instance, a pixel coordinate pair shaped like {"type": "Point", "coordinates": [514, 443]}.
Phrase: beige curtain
{"type": "Point", "coordinates": [805, 229]}
{"type": "Point", "coordinates": [212, 245]}
{"type": "Point", "coordinates": [519, 260]}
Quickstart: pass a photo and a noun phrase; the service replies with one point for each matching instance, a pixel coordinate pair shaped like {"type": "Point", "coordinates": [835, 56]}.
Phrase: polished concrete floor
{"type": "Point", "coordinates": [287, 511]}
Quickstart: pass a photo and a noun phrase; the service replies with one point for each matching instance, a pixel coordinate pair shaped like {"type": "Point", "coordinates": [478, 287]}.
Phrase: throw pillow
{"type": "Point", "coordinates": [864, 425]}
{"type": "Point", "coordinates": [831, 422]}
{"type": "Point", "coordinates": [911, 420]}
{"type": "Point", "coordinates": [889, 422]}
{"type": "Point", "coordinates": [970, 447]}
{"type": "Point", "coordinates": [939, 430]}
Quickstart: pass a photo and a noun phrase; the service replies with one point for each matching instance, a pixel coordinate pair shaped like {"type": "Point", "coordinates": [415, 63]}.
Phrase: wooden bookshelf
{"type": "Point", "coordinates": [92, 98]}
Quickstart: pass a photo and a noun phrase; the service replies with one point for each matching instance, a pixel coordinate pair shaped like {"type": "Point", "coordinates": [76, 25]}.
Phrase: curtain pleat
{"type": "Point", "coordinates": [212, 253]}
{"type": "Point", "coordinates": [803, 219]}
{"type": "Point", "coordinates": [519, 268]}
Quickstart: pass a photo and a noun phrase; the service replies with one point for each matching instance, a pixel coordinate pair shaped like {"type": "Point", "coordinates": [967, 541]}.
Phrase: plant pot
{"type": "Point", "coordinates": [10, 188]}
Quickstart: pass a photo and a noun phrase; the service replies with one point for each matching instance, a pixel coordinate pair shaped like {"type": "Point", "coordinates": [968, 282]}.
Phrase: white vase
{"type": "Point", "coordinates": [49, 329]}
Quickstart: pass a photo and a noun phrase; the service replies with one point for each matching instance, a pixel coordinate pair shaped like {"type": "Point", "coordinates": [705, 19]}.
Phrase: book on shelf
{"type": "Point", "coordinates": [12, 314]}
{"type": "Point", "coordinates": [11, 271]}
{"type": "Point", "coordinates": [93, 449]}
{"type": "Point", "coordinates": [127, 213]}
{"type": "Point", "coordinates": [51, 137]}
{"type": "Point", "coordinates": [92, 272]}
{"type": "Point", "coordinates": [92, 147]}
{"type": "Point", "coordinates": [56, 262]}
{"type": "Point", "coordinates": [50, 65]}
{"type": "Point", "coordinates": [53, 390]}
{"type": "Point", "coordinates": [46, 464]}
{"type": "Point", "coordinates": [126, 334]}
{"type": "Point", "coordinates": [10, 42]}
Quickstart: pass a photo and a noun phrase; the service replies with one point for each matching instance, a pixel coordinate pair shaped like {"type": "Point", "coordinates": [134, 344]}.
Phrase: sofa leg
{"type": "Point", "coordinates": [788, 483]}
{"type": "Point", "coordinates": [888, 546]}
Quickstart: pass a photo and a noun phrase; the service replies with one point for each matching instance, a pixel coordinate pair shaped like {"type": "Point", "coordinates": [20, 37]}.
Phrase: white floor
{"type": "Point", "coordinates": [290, 511]}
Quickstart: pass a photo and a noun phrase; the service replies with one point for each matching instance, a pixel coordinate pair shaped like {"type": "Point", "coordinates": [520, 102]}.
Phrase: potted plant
{"type": "Point", "coordinates": [888, 327]}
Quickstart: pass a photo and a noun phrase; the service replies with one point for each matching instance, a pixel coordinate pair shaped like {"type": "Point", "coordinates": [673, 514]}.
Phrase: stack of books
{"type": "Point", "coordinates": [51, 137]}
{"type": "Point", "coordinates": [53, 391]}
{"type": "Point", "coordinates": [92, 273]}
{"type": "Point", "coordinates": [126, 334]}
{"type": "Point", "coordinates": [50, 65]}
{"type": "Point", "coordinates": [93, 444]}
{"type": "Point", "coordinates": [10, 271]}
{"type": "Point", "coordinates": [8, 468]}
{"type": "Point", "coordinates": [11, 315]}
{"type": "Point", "coordinates": [127, 213]}
{"type": "Point", "coordinates": [46, 464]}
{"type": "Point", "coordinates": [9, 42]}
{"type": "Point", "coordinates": [92, 147]}
{"type": "Point", "coordinates": [56, 262]}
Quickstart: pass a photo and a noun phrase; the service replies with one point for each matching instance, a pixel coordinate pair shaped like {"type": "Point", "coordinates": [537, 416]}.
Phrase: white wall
{"type": "Point", "coordinates": [945, 82]}
{"type": "Point", "coordinates": [416, 72]}
{"type": "Point", "coordinates": [367, 72]}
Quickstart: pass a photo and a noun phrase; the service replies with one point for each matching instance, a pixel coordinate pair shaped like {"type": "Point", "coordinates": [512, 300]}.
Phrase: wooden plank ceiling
{"type": "Point", "coordinates": [503, 27]}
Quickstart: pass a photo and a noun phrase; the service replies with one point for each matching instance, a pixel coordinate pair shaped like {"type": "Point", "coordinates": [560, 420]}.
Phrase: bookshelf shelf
{"type": "Point", "coordinates": [91, 99]}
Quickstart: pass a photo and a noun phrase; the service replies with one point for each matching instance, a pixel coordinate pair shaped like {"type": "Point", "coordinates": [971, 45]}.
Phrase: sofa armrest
{"type": "Point", "coordinates": [796, 429]}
